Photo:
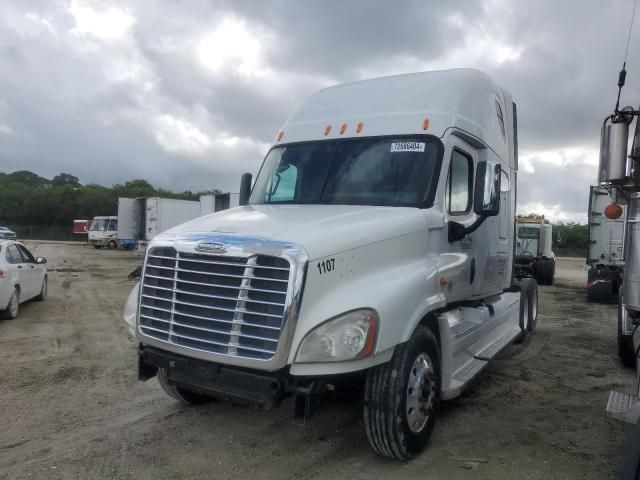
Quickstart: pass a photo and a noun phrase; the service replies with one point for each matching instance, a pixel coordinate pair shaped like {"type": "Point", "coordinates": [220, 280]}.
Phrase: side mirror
{"type": "Point", "coordinates": [486, 199]}
{"type": "Point", "coordinates": [41, 260]}
{"type": "Point", "coordinates": [245, 188]}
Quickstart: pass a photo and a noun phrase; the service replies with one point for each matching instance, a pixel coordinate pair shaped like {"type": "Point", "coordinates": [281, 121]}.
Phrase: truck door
{"type": "Point", "coordinates": [460, 160]}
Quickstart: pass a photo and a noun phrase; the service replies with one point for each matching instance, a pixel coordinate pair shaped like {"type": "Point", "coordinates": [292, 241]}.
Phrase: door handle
{"type": "Point", "coordinates": [19, 266]}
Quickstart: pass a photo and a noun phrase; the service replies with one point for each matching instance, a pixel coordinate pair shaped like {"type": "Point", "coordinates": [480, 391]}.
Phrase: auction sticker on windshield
{"type": "Point", "coordinates": [407, 147]}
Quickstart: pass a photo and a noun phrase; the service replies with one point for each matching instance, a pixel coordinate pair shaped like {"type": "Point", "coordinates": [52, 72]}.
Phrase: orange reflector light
{"type": "Point", "coordinates": [359, 127]}
{"type": "Point", "coordinates": [280, 135]}
{"type": "Point", "coordinates": [343, 128]}
{"type": "Point", "coordinates": [443, 282]}
{"type": "Point", "coordinates": [613, 211]}
{"type": "Point", "coordinates": [425, 124]}
{"type": "Point", "coordinates": [327, 129]}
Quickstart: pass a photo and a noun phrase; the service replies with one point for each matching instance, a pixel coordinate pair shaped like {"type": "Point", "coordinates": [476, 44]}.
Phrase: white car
{"type": "Point", "coordinates": [22, 277]}
{"type": "Point", "coordinates": [7, 234]}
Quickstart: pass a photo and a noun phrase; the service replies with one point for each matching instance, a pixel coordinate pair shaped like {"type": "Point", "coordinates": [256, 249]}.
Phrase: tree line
{"type": "Point", "coordinates": [29, 199]}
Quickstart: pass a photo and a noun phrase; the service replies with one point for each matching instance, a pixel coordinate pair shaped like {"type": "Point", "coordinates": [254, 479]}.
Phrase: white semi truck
{"type": "Point", "coordinates": [534, 254]}
{"type": "Point", "coordinates": [619, 173]}
{"type": "Point", "coordinates": [377, 242]}
{"type": "Point", "coordinates": [103, 232]}
{"type": "Point", "coordinates": [605, 252]}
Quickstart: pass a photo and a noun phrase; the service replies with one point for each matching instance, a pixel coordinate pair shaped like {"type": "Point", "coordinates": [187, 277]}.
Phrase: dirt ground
{"type": "Point", "coordinates": [71, 406]}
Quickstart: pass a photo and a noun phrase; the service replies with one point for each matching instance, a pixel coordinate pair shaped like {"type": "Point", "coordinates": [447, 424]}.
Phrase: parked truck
{"type": "Point", "coordinates": [103, 232]}
{"type": "Point", "coordinates": [141, 219]}
{"type": "Point", "coordinates": [605, 252]}
{"type": "Point", "coordinates": [376, 245]}
{"type": "Point", "coordinates": [619, 173]}
{"type": "Point", "coordinates": [534, 254]}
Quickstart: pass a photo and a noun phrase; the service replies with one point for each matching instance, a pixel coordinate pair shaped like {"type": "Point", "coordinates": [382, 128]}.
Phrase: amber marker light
{"type": "Point", "coordinates": [443, 282]}
{"type": "Point", "coordinates": [359, 127]}
{"type": "Point", "coordinates": [280, 136]}
{"type": "Point", "coordinates": [613, 211]}
{"type": "Point", "coordinates": [343, 128]}
{"type": "Point", "coordinates": [425, 124]}
{"type": "Point", "coordinates": [327, 129]}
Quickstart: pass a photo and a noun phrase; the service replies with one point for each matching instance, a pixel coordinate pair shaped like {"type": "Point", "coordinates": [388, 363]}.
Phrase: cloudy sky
{"type": "Point", "coordinates": [189, 94]}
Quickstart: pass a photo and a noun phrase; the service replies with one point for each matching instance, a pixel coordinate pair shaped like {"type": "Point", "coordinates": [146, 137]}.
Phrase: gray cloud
{"type": "Point", "coordinates": [110, 91]}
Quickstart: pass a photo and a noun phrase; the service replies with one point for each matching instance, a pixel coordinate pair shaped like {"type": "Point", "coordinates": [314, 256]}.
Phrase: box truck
{"type": "Point", "coordinates": [376, 245]}
{"type": "Point", "coordinates": [605, 250]}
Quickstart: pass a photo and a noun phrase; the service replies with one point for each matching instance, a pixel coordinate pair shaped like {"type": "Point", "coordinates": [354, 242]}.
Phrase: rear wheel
{"type": "Point", "coordinates": [550, 271]}
{"type": "Point", "coordinates": [526, 286]}
{"type": "Point", "coordinates": [402, 398]}
{"type": "Point", "coordinates": [181, 394]}
{"type": "Point", "coordinates": [97, 247]}
{"type": "Point", "coordinates": [11, 311]}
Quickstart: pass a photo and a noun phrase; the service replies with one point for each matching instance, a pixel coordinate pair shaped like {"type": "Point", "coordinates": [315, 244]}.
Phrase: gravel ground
{"type": "Point", "coordinates": [71, 406]}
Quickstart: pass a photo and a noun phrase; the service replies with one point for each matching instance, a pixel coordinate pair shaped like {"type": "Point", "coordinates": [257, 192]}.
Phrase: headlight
{"type": "Point", "coordinates": [131, 309]}
{"type": "Point", "coordinates": [346, 337]}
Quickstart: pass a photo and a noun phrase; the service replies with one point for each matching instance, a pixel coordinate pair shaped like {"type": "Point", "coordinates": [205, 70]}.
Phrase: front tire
{"type": "Point", "coordinates": [12, 309]}
{"type": "Point", "coordinates": [44, 291]}
{"type": "Point", "coordinates": [112, 244]}
{"type": "Point", "coordinates": [402, 398]}
{"type": "Point", "coordinates": [182, 395]}
{"type": "Point", "coordinates": [97, 247]}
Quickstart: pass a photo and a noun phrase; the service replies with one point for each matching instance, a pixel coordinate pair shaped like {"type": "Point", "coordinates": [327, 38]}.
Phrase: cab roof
{"type": "Point", "coordinates": [463, 99]}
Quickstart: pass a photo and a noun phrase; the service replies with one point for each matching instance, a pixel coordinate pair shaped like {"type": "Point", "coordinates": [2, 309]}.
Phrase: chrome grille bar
{"type": "Point", "coordinates": [233, 306]}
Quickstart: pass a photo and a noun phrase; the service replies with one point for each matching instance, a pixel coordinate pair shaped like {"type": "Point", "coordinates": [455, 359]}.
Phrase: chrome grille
{"type": "Point", "coordinates": [218, 304]}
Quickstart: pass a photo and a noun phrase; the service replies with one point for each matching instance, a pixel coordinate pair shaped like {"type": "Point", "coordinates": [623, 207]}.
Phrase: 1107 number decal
{"type": "Point", "coordinates": [326, 266]}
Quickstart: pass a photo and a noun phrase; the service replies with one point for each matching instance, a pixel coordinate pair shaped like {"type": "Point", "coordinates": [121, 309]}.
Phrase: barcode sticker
{"type": "Point", "coordinates": [407, 147]}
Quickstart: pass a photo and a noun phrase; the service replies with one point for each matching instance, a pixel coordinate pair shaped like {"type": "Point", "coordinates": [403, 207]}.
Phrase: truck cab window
{"type": "Point", "coordinates": [113, 226]}
{"type": "Point", "coordinates": [458, 193]}
{"type": "Point", "coordinates": [282, 187]}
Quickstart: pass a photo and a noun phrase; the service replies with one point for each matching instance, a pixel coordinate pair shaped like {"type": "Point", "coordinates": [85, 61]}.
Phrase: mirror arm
{"type": "Point", "coordinates": [458, 231]}
{"type": "Point", "coordinates": [475, 225]}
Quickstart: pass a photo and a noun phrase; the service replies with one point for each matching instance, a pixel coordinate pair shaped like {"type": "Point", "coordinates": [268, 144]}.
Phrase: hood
{"type": "Point", "coordinates": [320, 229]}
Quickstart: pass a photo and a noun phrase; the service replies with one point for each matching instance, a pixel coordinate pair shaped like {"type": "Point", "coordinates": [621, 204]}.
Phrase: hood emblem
{"type": "Point", "coordinates": [211, 247]}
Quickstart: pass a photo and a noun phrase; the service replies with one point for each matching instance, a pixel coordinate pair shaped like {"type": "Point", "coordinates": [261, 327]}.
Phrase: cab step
{"type": "Point", "coordinates": [623, 407]}
{"type": "Point", "coordinates": [491, 350]}
{"type": "Point", "coordinates": [469, 370]}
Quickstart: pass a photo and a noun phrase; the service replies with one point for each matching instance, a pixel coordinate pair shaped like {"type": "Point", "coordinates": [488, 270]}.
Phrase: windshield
{"type": "Point", "coordinates": [99, 224]}
{"type": "Point", "coordinates": [372, 171]}
{"type": "Point", "coordinates": [528, 232]}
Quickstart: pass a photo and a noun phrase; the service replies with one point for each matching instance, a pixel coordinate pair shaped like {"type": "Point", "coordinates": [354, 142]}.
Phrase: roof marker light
{"type": "Point", "coordinates": [343, 128]}
{"type": "Point", "coordinates": [359, 127]}
{"type": "Point", "coordinates": [280, 136]}
{"type": "Point", "coordinates": [327, 129]}
{"type": "Point", "coordinates": [425, 124]}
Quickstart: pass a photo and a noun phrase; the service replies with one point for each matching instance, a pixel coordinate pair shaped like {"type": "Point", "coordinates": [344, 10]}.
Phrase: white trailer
{"type": "Point", "coordinates": [141, 219]}
{"type": "Point", "coordinates": [218, 202]}
{"type": "Point", "coordinates": [605, 253]}
{"type": "Point", "coordinates": [377, 243]}
{"type": "Point", "coordinates": [534, 254]}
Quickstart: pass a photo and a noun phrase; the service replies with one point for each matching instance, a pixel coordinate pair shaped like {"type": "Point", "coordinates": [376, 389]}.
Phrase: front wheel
{"type": "Point", "coordinates": [112, 244]}
{"type": "Point", "coordinates": [402, 398]}
{"type": "Point", "coordinates": [44, 291]}
{"type": "Point", "coordinates": [97, 247]}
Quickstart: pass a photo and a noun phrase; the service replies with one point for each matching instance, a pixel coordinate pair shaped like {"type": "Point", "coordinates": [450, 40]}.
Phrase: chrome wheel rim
{"type": "Point", "coordinates": [421, 393]}
{"type": "Point", "coordinates": [13, 305]}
